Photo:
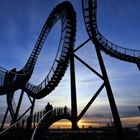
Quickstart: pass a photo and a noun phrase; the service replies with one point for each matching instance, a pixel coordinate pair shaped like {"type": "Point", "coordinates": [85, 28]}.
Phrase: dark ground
{"type": "Point", "coordinates": [66, 134]}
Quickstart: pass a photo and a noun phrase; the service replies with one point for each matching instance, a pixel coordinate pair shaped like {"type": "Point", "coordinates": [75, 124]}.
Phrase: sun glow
{"type": "Point", "coordinates": [67, 124]}
{"type": "Point", "coordinates": [85, 123]}
{"type": "Point", "coordinates": [61, 124]}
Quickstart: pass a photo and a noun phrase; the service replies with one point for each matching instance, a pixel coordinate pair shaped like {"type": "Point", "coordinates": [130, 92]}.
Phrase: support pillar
{"type": "Point", "coordinates": [30, 118]}
{"type": "Point", "coordinates": [73, 92]}
{"type": "Point", "coordinates": [18, 107]}
{"type": "Point", "coordinates": [2, 125]}
{"type": "Point", "coordinates": [113, 106]}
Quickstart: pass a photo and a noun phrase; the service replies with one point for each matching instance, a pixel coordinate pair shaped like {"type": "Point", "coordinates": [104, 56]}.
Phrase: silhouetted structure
{"type": "Point", "coordinates": [14, 80]}
{"type": "Point", "coordinates": [65, 110]}
{"type": "Point", "coordinates": [9, 76]}
{"type": "Point", "coordinates": [139, 108]}
{"type": "Point", "coordinates": [48, 107]}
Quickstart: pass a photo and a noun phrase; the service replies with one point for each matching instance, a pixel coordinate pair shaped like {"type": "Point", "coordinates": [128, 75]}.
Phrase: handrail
{"type": "Point", "coordinates": [89, 13]}
{"type": "Point", "coordinates": [16, 73]}
{"type": "Point", "coordinates": [9, 128]}
{"type": "Point", "coordinates": [18, 122]}
{"type": "Point", "coordinates": [47, 114]}
{"type": "Point", "coordinates": [66, 42]}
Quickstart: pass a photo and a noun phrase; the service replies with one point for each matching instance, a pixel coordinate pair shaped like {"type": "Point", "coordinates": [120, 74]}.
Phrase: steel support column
{"type": "Point", "coordinates": [18, 107]}
{"type": "Point", "coordinates": [2, 125]}
{"type": "Point", "coordinates": [30, 119]}
{"type": "Point", "coordinates": [73, 92]}
{"type": "Point", "coordinates": [113, 106]}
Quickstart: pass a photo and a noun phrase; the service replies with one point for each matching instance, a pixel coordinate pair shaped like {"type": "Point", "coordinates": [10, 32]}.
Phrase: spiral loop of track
{"type": "Point", "coordinates": [66, 14]}
{"type": "Point", "coordinates": [90, 18]}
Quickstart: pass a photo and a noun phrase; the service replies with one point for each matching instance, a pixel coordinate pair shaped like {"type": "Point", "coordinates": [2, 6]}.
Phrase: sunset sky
{"type": "Point", "coordinates": [118, 20]}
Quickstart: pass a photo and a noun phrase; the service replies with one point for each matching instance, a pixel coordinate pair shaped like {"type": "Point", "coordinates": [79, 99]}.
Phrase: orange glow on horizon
{"type": "Point", "coordinates": [85, 122]}
{"type": "Point", "coordinates": [67, 124]}
{"type": "Point", "coordinates": [61, 124]}
{"type": "Point", "coordinates": [95, 122]}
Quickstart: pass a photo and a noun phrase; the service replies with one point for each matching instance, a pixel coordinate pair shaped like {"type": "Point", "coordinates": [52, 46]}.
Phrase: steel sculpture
{"type": "Point", "coordinates": [10, 81]}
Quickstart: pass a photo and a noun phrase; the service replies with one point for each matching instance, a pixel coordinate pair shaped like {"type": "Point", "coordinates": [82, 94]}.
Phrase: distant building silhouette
{"type": "Point", "coordinates": [139, 108]}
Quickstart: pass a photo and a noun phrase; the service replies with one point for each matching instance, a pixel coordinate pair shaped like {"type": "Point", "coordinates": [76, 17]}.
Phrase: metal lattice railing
{"type": "Point", "coordinates": [90, 13]}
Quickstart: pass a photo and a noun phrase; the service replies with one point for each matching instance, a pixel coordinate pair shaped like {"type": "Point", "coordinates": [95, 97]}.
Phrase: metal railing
{"type": "Point", "coordinates": [56, 112]}
{"type": "Point", "coordinates": [105, 45]}
{"type": "Point", "coordinates": [67, 40]}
